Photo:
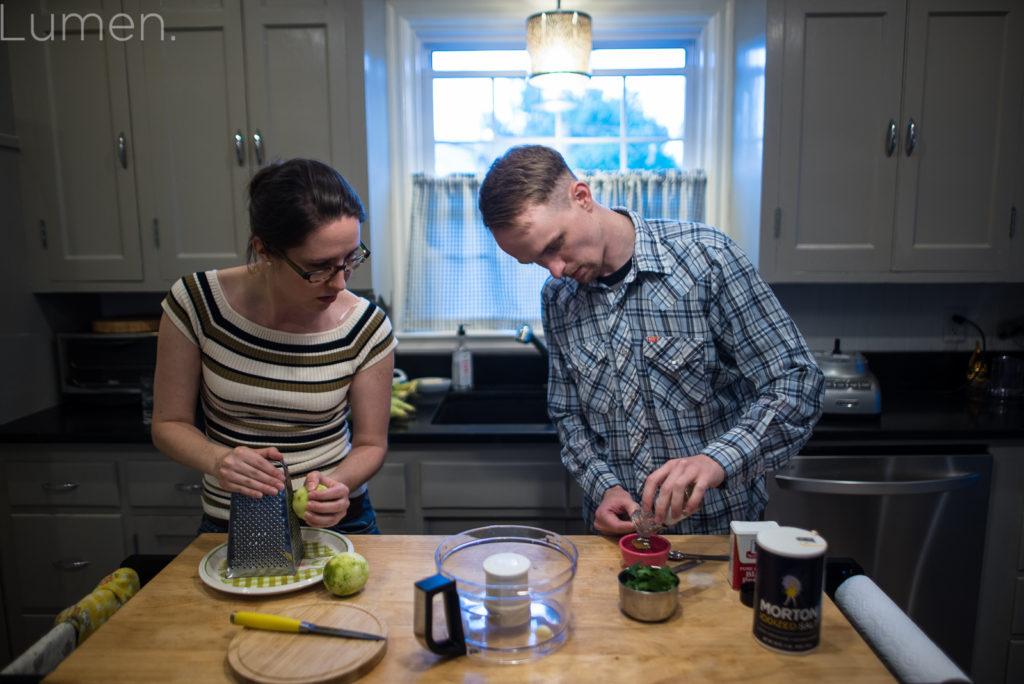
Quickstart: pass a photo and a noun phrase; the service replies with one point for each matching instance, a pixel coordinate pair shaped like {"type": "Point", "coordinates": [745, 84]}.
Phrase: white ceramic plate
{"type": "Point", "coordinates": [430, 385]}
{"type": "Point", "coordinates": [321, 545]}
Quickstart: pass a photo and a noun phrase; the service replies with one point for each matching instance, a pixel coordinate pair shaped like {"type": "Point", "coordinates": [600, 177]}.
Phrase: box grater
{"type": "Point", "coordinates": [263, 534]}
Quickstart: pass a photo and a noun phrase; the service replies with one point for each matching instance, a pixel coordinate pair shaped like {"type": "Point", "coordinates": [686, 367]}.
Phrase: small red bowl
{"type": "Point", "coordinates": [656, 555]}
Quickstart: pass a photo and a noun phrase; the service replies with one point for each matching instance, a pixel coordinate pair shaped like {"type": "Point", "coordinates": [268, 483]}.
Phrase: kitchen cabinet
{"type": "Point", "coordinates": [73, 121]}
{"type": "Point", "coordinates": [457, 486]}
{"type": "Point", "coordinates": [136, 154]}
{"type": "Point", "coordinates": [71, 513]}
{"type": "Point", "coordinates": [891, 130]}
{"type": "Point", "coordinates": [62, 530]}
{"type": "Point", "coordinates": [999, 640]}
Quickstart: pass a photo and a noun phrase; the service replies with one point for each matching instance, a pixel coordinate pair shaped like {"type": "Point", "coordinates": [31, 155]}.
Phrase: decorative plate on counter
{"type": "Point", "coordinates": [320, 546]}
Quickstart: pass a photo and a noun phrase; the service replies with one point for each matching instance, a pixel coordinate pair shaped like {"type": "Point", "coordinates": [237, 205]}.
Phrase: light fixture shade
{"type": "Point", "coordinates": [559, 43]}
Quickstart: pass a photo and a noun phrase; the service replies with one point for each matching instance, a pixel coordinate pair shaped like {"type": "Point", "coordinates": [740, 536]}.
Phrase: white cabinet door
{"type": "Point", "coordinates": [841, 78]}
{"type": "Point", "coordinates": [193, 151]}
{"type": "Point", "coordinates": [77, 158]}
{"type": "Point", "coordinates": [297, 87]}
{"type": "Point", "coordinates": [891, 131]}
{"type": "Point", "coordinates": [962, 90]}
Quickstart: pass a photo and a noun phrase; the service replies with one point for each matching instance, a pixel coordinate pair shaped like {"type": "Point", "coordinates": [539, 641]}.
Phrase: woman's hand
{"type": "Point", "coordinates": [250, 471]}
{"type": "Point", "coordinates": [326, 507]}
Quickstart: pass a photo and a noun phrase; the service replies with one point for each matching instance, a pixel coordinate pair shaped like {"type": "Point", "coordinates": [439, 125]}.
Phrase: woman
{"type": "Point", "coordinates": [279, 354]}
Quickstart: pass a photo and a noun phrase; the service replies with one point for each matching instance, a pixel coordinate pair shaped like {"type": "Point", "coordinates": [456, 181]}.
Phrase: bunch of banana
{"type": "Point", "coordinates": [400, 391]}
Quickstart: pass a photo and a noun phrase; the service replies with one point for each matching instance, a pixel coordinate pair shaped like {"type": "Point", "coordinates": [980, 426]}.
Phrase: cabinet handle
{"type": "Point", "coordinates": [122, 150]}
{"type": "Point", "coordinates": [257, 141]}
{"type": "Point", "coordinates": [188, 487]}
{"type": "Point", "coordinates": [59, 488]}
{"type": "Point", "coordinates": [890, 138]}
{"type": "Point", "coordinates": [911, 137]}
{"type": "Point", "coordinates": [240, 148]}
{"type": "Point", "coordinates": [70, 565]}
{"type": "Point", "coordinates": [42, 234]}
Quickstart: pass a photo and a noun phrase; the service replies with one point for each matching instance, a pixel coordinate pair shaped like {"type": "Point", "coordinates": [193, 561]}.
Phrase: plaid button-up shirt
{"type": "Point", "coordinates": [690, 354]}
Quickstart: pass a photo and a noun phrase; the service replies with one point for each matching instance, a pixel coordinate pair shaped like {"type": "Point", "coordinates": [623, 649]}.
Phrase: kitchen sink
{"type": "Point", "coordinates": [482, 407]}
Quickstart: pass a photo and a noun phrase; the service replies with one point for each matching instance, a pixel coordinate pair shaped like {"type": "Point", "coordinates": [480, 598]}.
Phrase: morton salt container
{"type": "Point", "coordinates": [788, 589]}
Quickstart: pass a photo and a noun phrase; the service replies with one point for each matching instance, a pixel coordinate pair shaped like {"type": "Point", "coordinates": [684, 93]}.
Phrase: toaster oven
{"type": "Point", "coordinates": [105, 364]}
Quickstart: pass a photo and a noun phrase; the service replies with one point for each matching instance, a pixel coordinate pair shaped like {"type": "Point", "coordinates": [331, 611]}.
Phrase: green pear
{"type": "Point", "coordinates": [301, 498]}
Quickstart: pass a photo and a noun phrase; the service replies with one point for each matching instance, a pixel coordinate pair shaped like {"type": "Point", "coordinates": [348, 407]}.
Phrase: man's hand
{"type": "Point", "coordinates": [613, 515]}
{"type": "Point", "coordinates": [671, 481]}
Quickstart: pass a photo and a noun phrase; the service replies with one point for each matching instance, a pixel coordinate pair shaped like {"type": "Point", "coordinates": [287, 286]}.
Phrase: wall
{"type": "Point", "coordinates": [27, 367]}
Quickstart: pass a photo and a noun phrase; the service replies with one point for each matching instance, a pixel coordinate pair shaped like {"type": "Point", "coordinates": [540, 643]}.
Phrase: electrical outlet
{"type": "Point", "coordinates": [951, 331]}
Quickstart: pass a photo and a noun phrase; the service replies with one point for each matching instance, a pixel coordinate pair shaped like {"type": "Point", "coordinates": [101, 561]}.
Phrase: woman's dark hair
{"type": "Point", "coordinates": [290, 199]}
{"type": "Point", "coordinates": [524, 176]}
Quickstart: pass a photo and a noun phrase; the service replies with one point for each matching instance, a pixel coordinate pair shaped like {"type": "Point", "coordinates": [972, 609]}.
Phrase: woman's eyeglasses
{"type": "Point", "coordinates": [322, 275]}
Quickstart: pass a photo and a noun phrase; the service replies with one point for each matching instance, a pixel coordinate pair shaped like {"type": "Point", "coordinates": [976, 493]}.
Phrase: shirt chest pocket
{"type": "Point", "coordinates": [676, 367]}
{"type": "Point", "coordinates": [589, 369]}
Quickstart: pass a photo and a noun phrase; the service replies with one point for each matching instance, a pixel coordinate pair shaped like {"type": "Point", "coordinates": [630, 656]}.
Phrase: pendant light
{"type": "Point", "coordinates": [559, 46]}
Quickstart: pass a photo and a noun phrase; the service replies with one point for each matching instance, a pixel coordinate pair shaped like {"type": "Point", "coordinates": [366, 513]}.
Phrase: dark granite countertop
{"type": "Point", "coordinates": [920, 403]}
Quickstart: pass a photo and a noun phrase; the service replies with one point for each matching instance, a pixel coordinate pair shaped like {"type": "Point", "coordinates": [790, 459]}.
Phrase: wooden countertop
{"type": "Point", "coordinates": [177, 628]}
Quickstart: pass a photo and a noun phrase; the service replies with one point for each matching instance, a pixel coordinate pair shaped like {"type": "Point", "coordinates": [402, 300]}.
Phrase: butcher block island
{"type": "Point", "coordinates": [178, 628]}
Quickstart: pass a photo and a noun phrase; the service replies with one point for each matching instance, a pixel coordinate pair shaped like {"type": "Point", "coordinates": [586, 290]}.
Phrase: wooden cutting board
{"type": "Point", "coordinates": [125, 325]}
{"type": "Point", "coordinates": [267, 657]}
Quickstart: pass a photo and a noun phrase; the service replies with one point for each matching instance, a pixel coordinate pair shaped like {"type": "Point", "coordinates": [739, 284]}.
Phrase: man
{"type": "Point", "coordinates": [676, 380]}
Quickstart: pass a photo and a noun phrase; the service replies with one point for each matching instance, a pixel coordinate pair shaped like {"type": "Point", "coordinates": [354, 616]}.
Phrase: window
{"type": "Point", "coordinates": [632, 113]}
{"type": "Point", "coordinates": [459, 69]}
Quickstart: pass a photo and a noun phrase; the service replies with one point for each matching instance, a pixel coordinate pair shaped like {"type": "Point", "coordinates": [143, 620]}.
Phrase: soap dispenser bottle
{"type": "Point", "coordinates": [462, 363]}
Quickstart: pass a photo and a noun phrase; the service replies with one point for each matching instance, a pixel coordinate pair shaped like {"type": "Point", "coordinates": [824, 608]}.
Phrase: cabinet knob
{"type": "Point", "coordinates": [122, 150]}
{"type": "Point", "coordinates": [911, 137]}
{"type": "Point", "coordinates": [70, 565]}
{"type": "Point", "coordinates": [61, 487]}
{"type": "Point", "coordinates": [257, 141]}
{"type": "Point", "coordinates": [240, 148]}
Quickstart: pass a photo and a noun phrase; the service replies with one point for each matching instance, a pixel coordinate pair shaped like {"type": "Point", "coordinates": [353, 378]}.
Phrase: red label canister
{"type": "Point", "coordinates": [788, 589]}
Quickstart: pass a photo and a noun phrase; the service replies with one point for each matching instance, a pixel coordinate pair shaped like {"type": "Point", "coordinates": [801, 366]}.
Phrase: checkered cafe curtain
{"type": "Point", "coordinates": [458, 274]}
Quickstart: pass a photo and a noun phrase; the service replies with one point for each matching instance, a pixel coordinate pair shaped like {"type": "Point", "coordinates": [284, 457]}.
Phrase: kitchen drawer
{"type": "Point", "coordinates": [61, 558]}
{"type": "Point", "coordinates": [387, 488]}
{"type": "Point", "coordinates": [462, 484]}
{"type": "Point", "coordinates": [163, 483]}
{"type": "Point", "coordinates": [165, 534]}
{"type": "Point", "coordinates": [61, 483]}
{"type": "Point", "coordinates": [1015, 662]}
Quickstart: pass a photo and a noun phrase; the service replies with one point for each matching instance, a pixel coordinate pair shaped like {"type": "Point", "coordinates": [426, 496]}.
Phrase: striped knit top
{"type": "Point", "coordinates": [262, 387]}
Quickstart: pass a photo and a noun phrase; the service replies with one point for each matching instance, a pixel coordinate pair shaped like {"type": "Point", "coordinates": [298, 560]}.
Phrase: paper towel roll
{"type": "Point", "coordinates": [907, 651]}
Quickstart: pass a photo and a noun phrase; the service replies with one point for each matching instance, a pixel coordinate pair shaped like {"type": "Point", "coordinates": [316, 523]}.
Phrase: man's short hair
{"type": "Point", "coordinates": [524, 176]}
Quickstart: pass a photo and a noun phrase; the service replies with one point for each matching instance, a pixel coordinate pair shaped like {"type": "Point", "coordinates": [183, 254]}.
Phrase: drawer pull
{"type": "Point", "coordinates": [61, 487]}
{"type": "Point", "coordinates": [70, 565]}
{"type": "Point", "coordinates": [188, 487]}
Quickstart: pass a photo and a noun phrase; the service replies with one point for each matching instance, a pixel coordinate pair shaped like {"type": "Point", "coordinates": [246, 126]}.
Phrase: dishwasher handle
{"type": "Point", "coordinates": [876, 487]}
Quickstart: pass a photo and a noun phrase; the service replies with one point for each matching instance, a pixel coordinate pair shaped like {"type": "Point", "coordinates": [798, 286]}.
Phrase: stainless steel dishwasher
{"type": "Point", "coordinates": [913, 519]}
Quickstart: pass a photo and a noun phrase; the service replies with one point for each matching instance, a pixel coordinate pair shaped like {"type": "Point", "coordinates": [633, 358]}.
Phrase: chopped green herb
{"type": "Point", "coordinates": [649, 578]}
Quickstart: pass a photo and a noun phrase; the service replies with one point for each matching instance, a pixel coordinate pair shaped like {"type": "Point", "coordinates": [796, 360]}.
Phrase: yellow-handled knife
{"type": "Point", "coordinates": [279, 623]}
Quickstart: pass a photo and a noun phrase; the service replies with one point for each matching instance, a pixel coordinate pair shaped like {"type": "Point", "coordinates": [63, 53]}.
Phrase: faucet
{"type": "Point", "coordinates": [526, 336]}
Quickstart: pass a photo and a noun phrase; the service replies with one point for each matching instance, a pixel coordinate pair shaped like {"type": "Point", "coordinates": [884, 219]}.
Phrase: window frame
{"type": "Point", "coordinates": [410, 25]}
{"type": "Point", "coordinates": [692, 72]}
